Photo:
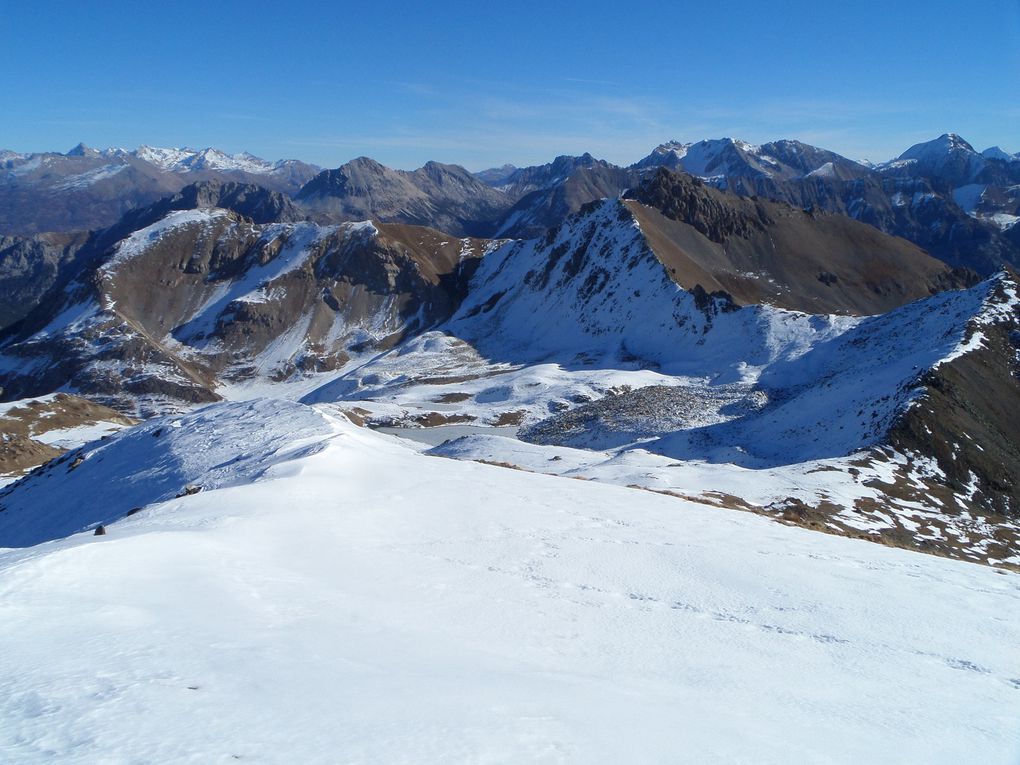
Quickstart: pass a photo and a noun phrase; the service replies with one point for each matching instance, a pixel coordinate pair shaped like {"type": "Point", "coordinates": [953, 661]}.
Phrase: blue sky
{"type": "Point", "coordinates": [481, 84]}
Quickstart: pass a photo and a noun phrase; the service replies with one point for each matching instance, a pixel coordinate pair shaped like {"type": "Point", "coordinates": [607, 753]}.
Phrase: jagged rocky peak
{"type": "Point", "coordinates": [685, 198]}
{"type": "Point", "coordinates": [545, 194]}
{"type": "Point", "coordinates": [249, 200]}
{"type": "Point", "coordinates": [260, 204]}
{"type": "Point", "coordinates": [81, 150]}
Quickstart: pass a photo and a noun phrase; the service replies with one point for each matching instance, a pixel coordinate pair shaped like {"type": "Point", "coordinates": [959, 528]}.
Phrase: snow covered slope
{"type": "Point", "coordinates": [360, 602]}
{"type": "Point", "coordinates": [594, 289]}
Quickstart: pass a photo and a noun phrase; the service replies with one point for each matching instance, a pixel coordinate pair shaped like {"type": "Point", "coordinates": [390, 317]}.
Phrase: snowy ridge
{"type": "Point", "coordinates": [187, 160]}
{"type": "Point", "coordinates": [595, 287]}
{"type": "Point", "coordinates": [152, 462]}
{"type": "Point", "coordinates": [715, 158]}
{"type": "Point", "coordinates": [139, 241]}
{"type": "Point", "coordinates": [413, 609]}
{"type": "Point", "coordinates": [718, 160]}
{"type": "Point", "coordinates": [1000, 305]}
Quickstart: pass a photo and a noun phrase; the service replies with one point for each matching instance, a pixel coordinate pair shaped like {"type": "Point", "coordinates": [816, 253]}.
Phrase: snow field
{"type": "Point", "coordinates": [356, 601]}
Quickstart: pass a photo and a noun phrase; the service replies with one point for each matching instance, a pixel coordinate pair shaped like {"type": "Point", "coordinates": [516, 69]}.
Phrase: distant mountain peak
{"type": "Point", "coordinates": [947, 143]}
{"type": "Point", "coordinates": [82, 150]}
{"type": "Point", "coordinates": [994, 152]}
{"type": "Point", "coordinates": [186, 159]}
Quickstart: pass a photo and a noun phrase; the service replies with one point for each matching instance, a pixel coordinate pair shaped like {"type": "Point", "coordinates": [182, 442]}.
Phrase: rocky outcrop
{"type": "Point", "coordinates": [24, 428]}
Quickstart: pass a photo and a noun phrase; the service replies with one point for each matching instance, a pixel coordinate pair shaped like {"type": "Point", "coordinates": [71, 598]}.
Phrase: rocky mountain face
{"type": "Point", "coordinates": [541, 196]}
{"type": "Point", "coordinates": [35, 431]}
{"type": "Point", "coordinates": [496, 176]}
{"type": "Point", "coordinates": [86, 189]}
{"type": "Point", "coordinates": [966, 417]}
{"type": "Point", "coordinates": [525, 180]}
{"type": "Point", "coordinates": [445, 197]}
{"type": "Point", "coordinates": [29, 266]}
{"type": "Point", "coordinates": [186, 298]}
{"type": "Point", "coordinates": [545, 207]}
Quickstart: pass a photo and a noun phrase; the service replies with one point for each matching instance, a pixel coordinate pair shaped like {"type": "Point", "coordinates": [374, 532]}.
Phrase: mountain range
{"type": "Point", "coordinates": [86, 188]}
{"type": "Point", "coordinates": [741, 306]}
{"type": "Point", "coordinates": [445, 452]}
{"type": "Point", "coordinates": [706, 297]}
{"type": "Point", "coordinates": [956, 203]}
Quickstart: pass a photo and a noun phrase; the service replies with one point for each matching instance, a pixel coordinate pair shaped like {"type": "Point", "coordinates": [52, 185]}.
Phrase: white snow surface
{"type": "Point", "coordinates": [1003, 221]}
{"type": "Point", "coordinates": [969, 197]}
{"type": "Point", "coordinates": [827, 170]}
{"type": "Point", "coordinates": [335, 596]}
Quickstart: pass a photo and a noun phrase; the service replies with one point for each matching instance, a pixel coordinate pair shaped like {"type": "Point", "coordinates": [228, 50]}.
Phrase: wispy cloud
{"type": "Point", "coordinates": [583, 81]}
{"type": "Point", "coordinates": [243, 117]}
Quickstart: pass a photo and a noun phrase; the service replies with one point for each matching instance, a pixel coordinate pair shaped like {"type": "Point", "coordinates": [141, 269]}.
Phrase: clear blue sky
{"type": "Point", "coordinates": [482, 83]}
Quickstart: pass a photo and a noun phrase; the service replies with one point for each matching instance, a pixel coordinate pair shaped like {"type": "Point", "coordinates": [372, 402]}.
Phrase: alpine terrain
{"type": "Point", "coordinates": [714, 457]}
